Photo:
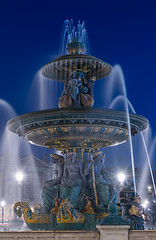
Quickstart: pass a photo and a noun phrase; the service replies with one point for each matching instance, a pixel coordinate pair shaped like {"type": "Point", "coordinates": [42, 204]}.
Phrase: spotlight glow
{"type": "Point", "coordinates": [19, 177]}
{"type": "Point", "coordinates": [3, 203]}
{"type": "Point", "coordinates": [145, 204]}
{"type": "Point", "coordinates": [121, 177]}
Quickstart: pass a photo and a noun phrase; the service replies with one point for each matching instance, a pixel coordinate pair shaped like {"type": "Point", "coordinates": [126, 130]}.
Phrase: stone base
{"type": "Point", "coordinates": [50, 235]}
{"type": "Point", "coordinates": [142, 235]}
{"type": "Point", "coordinates": [113, 232]}
{"type": "Point", "coordinates": [104, 233]}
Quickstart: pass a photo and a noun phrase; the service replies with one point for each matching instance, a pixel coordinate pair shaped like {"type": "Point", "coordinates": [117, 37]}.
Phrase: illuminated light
{"type": "Point", "coordinates": [145, 204]}
{"type": "Point", "coordinates": [149, 188]}
{"type": "Point", "coordinates": [3, 203]}
{"type": "Point", "coordinates": [121, 177]}
{"type": "Point", "coordinates": [19, 177]}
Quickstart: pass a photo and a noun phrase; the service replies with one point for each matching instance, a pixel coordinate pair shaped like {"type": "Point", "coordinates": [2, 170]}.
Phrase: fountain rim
{"type": "Point", "coordinates": [69, 57]}
{"type": "Point", "coordinates": [44, 114]}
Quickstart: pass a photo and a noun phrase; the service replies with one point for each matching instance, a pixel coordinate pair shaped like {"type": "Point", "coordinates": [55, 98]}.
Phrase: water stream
{"type": "Point", "coordinates": [117, 77]}
{"type": "Point", "coordinates": [142, 179]}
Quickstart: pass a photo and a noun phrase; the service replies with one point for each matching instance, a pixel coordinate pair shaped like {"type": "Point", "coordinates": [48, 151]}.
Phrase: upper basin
{"type": "Point", "coordinates": [61, 68]}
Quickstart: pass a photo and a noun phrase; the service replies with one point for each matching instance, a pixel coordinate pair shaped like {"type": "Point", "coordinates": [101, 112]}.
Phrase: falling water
{"type": "Point", "coordinates": [144, 179]}
{"type": "Point", "coordinates": [152, 148]}
{"type": "Point", "coordinates": [122, 98]}
{"type": "Point", "coordinates": [117, 77]}
{"type": "Point", "coordinates": [12, 150]}
{"type": "Point", "coordinates": [44, 93]}
{"type": "Point", "coordinates": [7, 112]}
{"type": "Point", "coordinates": [149, 163]}
{"type": "Point", "coordinates": [7, 160]}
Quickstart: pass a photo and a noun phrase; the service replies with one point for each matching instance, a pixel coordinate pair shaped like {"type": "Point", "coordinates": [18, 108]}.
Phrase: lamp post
{"type": "Point", "coordinates": [3, 203]}
{"type": "Point", "coordinates": [149, 188]}
{"type": "Point", "coordinates": [19, 177]}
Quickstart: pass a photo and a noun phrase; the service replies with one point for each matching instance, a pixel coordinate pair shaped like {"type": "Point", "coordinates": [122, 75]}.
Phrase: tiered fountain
{"type": "Point", "coordinates": [82, 192]}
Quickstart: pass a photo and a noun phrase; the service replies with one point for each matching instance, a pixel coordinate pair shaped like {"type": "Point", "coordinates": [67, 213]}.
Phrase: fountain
{"type": "Point", "coordinates": [82, 193]}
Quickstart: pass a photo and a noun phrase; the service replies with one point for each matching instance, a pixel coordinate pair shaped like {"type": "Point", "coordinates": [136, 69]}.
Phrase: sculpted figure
{"type": "Point", "coordinates": [132, 209]}
{"type": "Point", "coordinates": [86, 91]}
{"type": "Point", "coordinates": [70, 95]}
{"type": "Point", "coordinates": [78, 91]}
{"type": "Point", "coordinates": [104, 190]}
{"type": "Point", "coordinates": [51, 188]}
{"type": "Point", "coordinates": [65, 100]}
{"type": "Point", "coordinates": [73, 90]}
{"type": "Point", "coordinates": [73, 181]}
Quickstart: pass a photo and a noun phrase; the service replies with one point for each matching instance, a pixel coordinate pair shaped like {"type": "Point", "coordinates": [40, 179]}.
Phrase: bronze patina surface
{"type": "Point", "coordinates": [76, 127]}
{"type": "Point", "coordinates": [61, 68]}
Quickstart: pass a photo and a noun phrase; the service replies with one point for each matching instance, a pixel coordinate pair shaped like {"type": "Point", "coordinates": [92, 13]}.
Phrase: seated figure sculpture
{"type": "Point", "coordinates": [70, 182]}
{"type": "Point", "coordinates": [78, 91]}
{"type": "Point", "coordinates": [74, 181]}
{"type": "Point", "coordinates": [103, 189]}
{"type": "Point", "coordinates": [51, 189]}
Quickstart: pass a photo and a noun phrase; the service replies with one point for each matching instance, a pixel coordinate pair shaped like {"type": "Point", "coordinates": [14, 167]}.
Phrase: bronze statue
{"type": "Point", "coordinates": [78, 91]}
{"type": "Point", "coordinates": [51, 188]}
{"type": "Point", "coordinates": [73, 181]}
{"type": "Point", "coordinates": [103, 190]}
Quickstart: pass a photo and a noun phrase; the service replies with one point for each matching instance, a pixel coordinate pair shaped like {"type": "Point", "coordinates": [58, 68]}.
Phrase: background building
{"type": "Point", "coordinates": [22, 181]}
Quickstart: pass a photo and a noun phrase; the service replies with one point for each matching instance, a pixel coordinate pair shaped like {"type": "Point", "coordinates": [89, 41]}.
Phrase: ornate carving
{"type": "Point", "coordinates": [29, 216]}
{"type": "Point", "coordinates": [67, 214]}
{"type": "Point", "coordinates": [137, 211]}
{"type": "Point", "coordinates": [54, 210]}
{"type": "Point", "coordinates": [88, 207]}
{"type": "Point", "coordinates": [132, 210]}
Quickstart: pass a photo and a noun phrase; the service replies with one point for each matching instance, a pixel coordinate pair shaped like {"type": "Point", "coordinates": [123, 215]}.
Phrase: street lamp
{"type": "Point", "coordinates": [149, 188]}
{"type": "Point", "coordinates": [145, 204]}
{"type": "Point", "coordinates": [3, 203]}
{"type": "Point", "coordinates": [19, 177]}
{"type": "Point", "coordinates": [121, 177]}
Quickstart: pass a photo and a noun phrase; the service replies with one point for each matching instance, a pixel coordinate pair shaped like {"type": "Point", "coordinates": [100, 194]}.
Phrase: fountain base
{"type": "Point", "coordinates": [63, 218]}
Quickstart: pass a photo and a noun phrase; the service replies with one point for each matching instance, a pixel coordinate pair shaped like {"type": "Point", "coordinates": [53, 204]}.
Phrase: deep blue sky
{"type": "Point", "coordinates": [120, 32]}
